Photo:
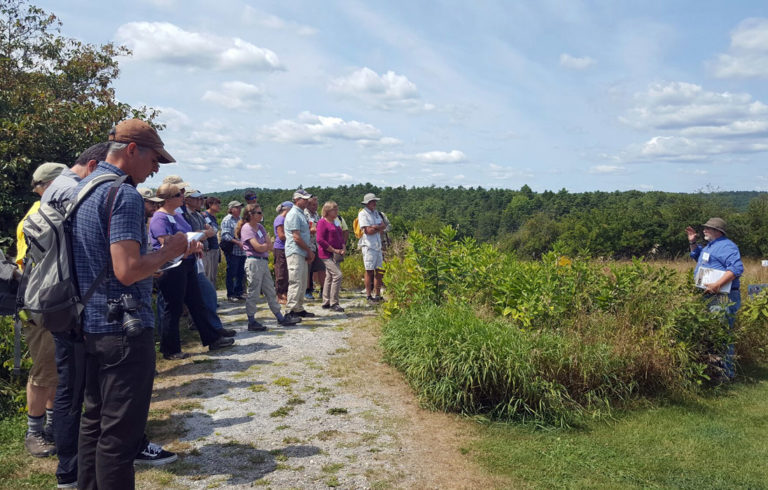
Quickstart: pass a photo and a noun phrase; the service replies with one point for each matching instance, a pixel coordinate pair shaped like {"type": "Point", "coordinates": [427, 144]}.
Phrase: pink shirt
{"type": "Point", "coordinates": [328, 236]}
{"type": "Point", "coordinates": [260, 234]}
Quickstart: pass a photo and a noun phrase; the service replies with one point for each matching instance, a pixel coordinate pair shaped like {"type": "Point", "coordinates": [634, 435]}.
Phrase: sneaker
{"type": "Point", "coordinates": [255, 326]}
{"type": "Point", "coordinates": [227, 332]}
{"type": "Point", "coordinates": [155, 455]}
{"type": "Point", "coordinates": [326, 306]}
{"type": "Point", "coordinates": [176, 356]}
{"type": "Point", "coordinates": [304, 314]}
{"type": "Point", "coordinates": [38, 446]}
{"type": "Point", "coordinates": [338, 308]}
{"type": "Point", "coordinates": [66, 482]}
{"type": "Point", "coordinates": [378, 299]}
{"type": "Point", "coordinates": [233, 299]}
{"type": "Point", "coordinates": [371, 300]}
{"type": "Point", "coordinates": [242, 297]}
{"type": "Point", "coordinates": [290, 319]}
{"type": "Point", "coordinates": [221, 343]}
{"type": "Point", "coordinates": [309, 297]}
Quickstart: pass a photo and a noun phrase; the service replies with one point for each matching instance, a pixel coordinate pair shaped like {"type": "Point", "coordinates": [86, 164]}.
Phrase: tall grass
{"type": "Point", "coordinates": [477, 331]}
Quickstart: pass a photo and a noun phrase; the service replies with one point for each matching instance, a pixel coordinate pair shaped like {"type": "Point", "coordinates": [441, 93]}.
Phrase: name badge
{"type": "Point", "coordinates": [171, 220]}
{"type": "Point", "coordinates": [208, 220]}
{"type": "Point", "coordinates": [260, 234]}
{"type": "Point", "coordinates": [705, 257]}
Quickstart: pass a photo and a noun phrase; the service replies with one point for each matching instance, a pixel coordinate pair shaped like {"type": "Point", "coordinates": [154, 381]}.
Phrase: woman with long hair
{"type": "Point", "coordinates": [257, 245]}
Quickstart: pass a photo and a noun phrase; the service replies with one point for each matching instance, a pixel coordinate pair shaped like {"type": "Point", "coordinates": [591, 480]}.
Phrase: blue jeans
{"type": "Point", "coordinates": [66, 421]}
{"type": "Point", "coordinates": [235, 275]}
{"type": "Point", "coordinates": [208, 292]}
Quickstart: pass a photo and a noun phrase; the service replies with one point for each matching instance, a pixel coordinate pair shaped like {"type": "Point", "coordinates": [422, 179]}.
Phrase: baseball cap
{"type": "Point", "coordinates": [141, 133]}
{"type": "Point", "coordinates": [193, 193]}
{"type": "Point", "coordinates": [234, 204]}
{"type": "Point", "coordinates": [301, 194]}
{"type": "Point", "coordinates": [284, 205]}
{"type": "Point", "coordinates": [46, 172]}
{"type": "Point", "coordinates": [148, 194]}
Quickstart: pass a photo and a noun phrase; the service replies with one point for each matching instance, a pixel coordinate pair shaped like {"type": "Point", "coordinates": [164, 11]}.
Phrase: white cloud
{"type": "Point", "coordinates": [693, 124]}
{"type": "Point", "coordinates": [388, 91]}
{"type": "Point", "coordinates": [386, 168]}
{"type": "Point", "coordinates": [168, 43]}
{"type": "Point", "coordinates": [173, 118]}
{"type": "Point", "coordinates": [680, 104]}
{"type": "Point", "coordinates": [338, 177]}
{"type": "Point", "coordinates": [255, 166]}
{"type": "Point", "coordinates": [606, 169]}
{"type": "Point", "coordinates": [499, 172]}
{"type": "Point", "coordinates": [453, 156]}
{"type": "Point", "coordinates": [748, 53]}
{"type": "Point", "coordinates": [311, 129]}
{"type": "Point", "coordinates": [235, 95]}
{"type": "Point", "coordinates": [576, 63]}
{"type": "Point", "coordinates": [270, 21]}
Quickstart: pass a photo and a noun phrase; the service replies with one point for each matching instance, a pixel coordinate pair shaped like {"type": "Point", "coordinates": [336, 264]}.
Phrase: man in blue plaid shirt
{"type": "Point", "coordinates": [119, 368]}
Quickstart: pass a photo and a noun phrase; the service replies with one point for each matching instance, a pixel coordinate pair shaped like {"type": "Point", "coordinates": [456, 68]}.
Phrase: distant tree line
{"type": "Point", "coordinates": [607, 224]}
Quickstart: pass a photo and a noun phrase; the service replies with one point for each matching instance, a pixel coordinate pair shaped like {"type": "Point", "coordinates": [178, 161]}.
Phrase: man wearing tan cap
{"type": "Point", "coordinates": [42, 379]}
{"type": "Point", "coordinates": [119, 363]}
{"type": "Point", "coordinates": [721, 255]}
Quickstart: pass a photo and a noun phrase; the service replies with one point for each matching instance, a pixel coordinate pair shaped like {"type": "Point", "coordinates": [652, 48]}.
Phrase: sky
{"type": "Point", "coordinates": [582, 95]}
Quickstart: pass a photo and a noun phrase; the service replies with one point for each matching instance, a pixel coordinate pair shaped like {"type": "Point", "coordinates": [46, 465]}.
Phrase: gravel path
{"type": "Point", "coordinates": [272, 411]}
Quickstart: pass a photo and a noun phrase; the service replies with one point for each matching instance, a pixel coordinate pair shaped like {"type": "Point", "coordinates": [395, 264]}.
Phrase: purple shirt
{"type": "Point", "coordinates": [163, 224]}
{"type": "Point", "coordinates": [328, 236]}
{"type": "Point", "coordinates": [260, 234]}
{"type": "Point", "coordinates": [279, 221]}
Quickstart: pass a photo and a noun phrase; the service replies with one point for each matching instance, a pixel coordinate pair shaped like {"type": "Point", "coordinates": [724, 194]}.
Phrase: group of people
{"type": "Point", "coordinates": [167, 244]}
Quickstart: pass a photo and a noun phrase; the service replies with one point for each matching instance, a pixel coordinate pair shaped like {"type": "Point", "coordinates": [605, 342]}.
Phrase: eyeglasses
{"type": "Point", "coordinates": [259, 212]}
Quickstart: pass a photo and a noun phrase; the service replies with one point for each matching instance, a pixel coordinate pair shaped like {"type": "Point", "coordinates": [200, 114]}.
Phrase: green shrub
{"type": "Point", "coordinates": [12, 388]}
{"type": "Point", "coordinates": [478, 331]}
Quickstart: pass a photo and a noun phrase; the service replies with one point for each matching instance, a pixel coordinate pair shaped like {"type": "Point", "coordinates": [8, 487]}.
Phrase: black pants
{"type": "Point", "coordinates": [66, 421]}
{"type": "Point", "coordinates": [119, 372]}
{"type": "Point", "coordinates": [179, 287]}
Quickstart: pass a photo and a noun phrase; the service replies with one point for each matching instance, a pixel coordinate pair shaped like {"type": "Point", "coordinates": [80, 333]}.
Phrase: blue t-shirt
{"type": "Point", "coordinates": [722, 255]}
{"type": "Point", "coordinates": [295, 220]}
{"type": "Point", "coordinates": [90, 249]}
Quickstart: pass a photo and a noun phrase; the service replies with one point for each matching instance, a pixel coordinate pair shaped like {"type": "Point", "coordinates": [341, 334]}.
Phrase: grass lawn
{"type": "Point", "coordinates": [719, 442]}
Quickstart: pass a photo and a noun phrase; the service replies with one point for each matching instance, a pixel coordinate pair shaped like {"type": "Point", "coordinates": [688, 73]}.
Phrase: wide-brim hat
{"type": "Point", "coordinates": [148, 194]}
{"type": "Point", "coordinates": [716, 223]}
{"type": "Point", "coordinates": [177, 181]}
{"type": "Point", "coordinates": [370, 197]}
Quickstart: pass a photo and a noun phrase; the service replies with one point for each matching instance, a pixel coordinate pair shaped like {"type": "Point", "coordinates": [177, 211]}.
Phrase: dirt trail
{"type": "Point", "coordinates": [309, 406]}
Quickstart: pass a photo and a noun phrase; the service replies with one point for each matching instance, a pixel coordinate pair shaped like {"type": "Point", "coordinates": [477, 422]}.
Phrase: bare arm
{"type": "Point", "coordinates": [281, 233]}
{"type": "Point", "coordinates": [261, 247]}
{"type": "Point", "coordinates": [130, 266]}
{"type": "Point", "coordinates": [714, 287]}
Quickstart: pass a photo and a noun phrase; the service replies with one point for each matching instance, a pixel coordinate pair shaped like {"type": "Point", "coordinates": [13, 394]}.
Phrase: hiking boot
{"type": "Point", "coordinates": [227, 332]}
{"type": "Point", "coordinates": [221, 343]}
{"type": "Point", "coordinates": [326, 306]}
{"type": "Point", "coordinates": [290, 319]}
{"type": "Point", "coordinates": [304, 314]}
{"type": "Point", "coordinates": [154, 455]}
{"type": "Point", "coordinates": [177, 356]}
{"type": "Point", "coordinates": [255, 326]}
{"type": "Point", "coordinates": [337, 308]}
{"type": "Point", "coordinates": [38, 446]}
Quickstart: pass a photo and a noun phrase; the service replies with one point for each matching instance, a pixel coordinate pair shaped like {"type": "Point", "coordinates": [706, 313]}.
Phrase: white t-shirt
{"type": "Point", "coordinates": [366, 217]}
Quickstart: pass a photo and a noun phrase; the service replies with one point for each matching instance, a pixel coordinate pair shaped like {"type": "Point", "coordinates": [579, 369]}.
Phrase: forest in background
{"type": "Point", "coordinates": [600, 224]}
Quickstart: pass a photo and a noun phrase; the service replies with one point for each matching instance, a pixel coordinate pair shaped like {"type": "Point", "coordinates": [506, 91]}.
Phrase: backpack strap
{"type": "Point", "coordinates": [110, 206]}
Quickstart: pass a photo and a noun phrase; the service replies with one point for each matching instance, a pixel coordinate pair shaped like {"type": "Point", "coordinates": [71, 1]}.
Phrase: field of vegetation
{"type": "Point", "coordinates": [556, 341]}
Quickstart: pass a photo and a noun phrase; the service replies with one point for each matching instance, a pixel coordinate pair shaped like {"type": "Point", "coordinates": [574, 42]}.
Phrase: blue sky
{"type": "Point", "coordinates": [599, 95]}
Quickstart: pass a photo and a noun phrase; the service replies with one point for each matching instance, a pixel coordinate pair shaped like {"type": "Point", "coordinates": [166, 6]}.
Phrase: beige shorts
{"type": "Point", "coordinates": [43, 354]}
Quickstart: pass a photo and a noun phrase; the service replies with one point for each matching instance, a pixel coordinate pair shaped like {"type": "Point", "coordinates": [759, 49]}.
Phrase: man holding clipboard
{"type": "Point", "coordinates": [719, 261]}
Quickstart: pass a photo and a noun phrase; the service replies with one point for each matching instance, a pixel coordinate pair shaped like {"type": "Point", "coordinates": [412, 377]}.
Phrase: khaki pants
{"type": "Point", "coordinates": [259, 281]}
{"type": "Point", "coordinates": [332, 284]}
{"type": "Point", "coordinates": [298, 271]}
{"type": "Point", "coordinates": [211, 262]}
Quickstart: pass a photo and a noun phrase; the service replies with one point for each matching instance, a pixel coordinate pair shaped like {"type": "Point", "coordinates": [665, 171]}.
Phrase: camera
{"type": "Point", "coordinates": [125, 310]}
